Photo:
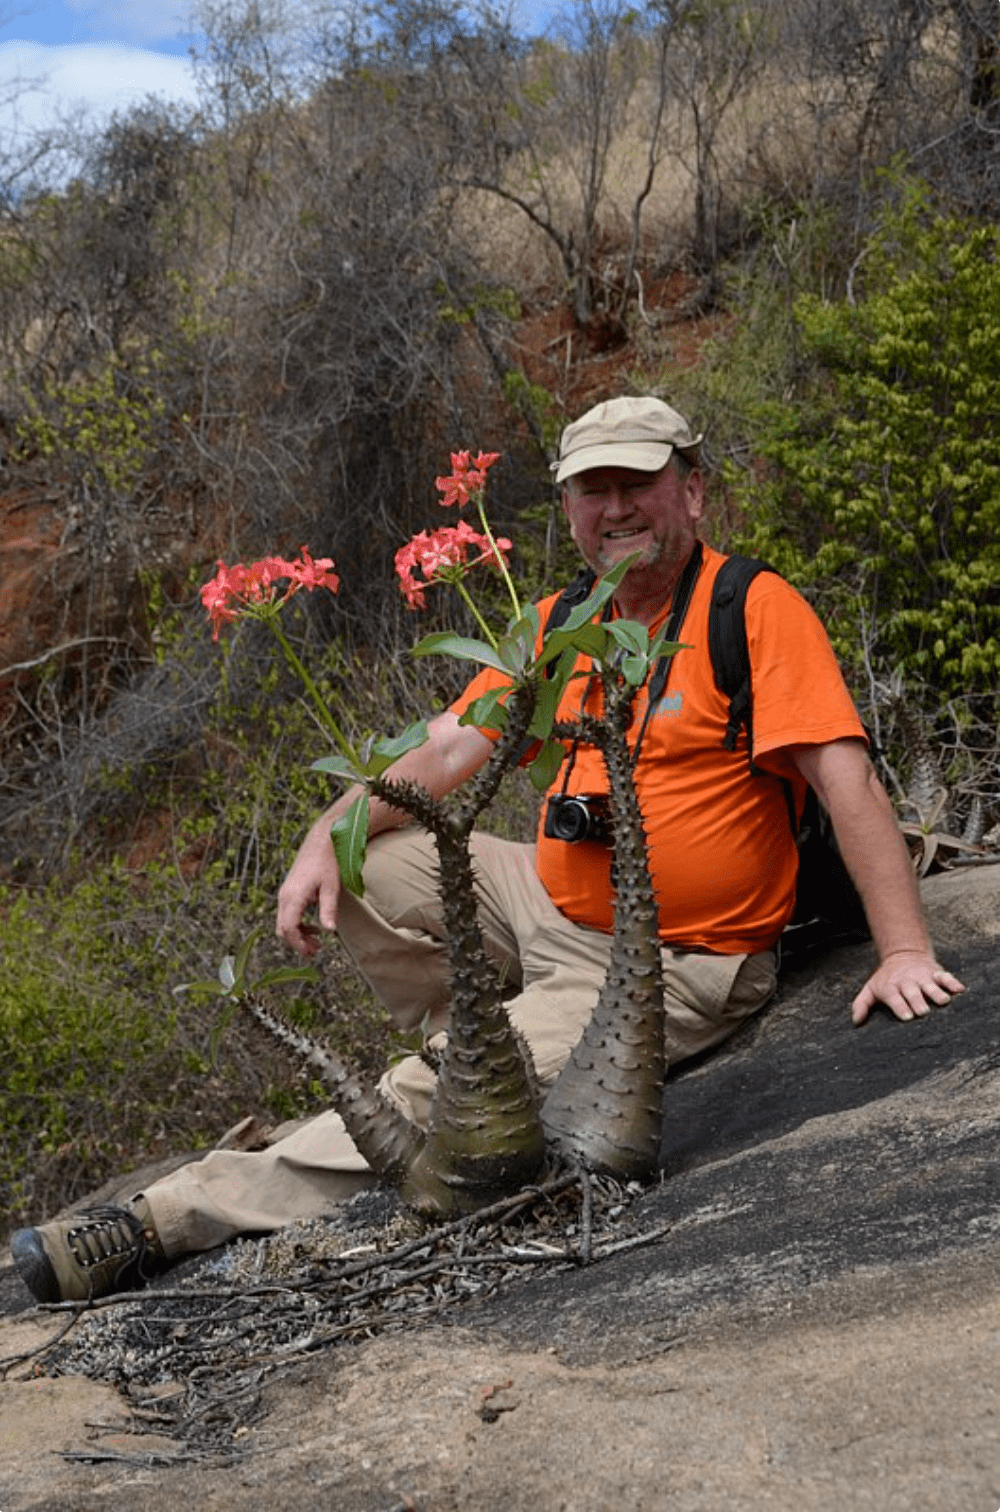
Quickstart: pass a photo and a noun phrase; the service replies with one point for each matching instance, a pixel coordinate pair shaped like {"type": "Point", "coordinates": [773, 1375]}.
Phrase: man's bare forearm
{"type": "Point", "coordinates": [908, 978]}
{"type": "Point", "coordinates": [447, 758]}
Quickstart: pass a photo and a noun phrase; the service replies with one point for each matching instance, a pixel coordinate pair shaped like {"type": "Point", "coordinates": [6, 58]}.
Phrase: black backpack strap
{"type": "Point", "coordinates": [730, 657]}
{"type": "Point", "coordinates": [568, 599]}
{"type": "Point", "coordinates": [576, 593]}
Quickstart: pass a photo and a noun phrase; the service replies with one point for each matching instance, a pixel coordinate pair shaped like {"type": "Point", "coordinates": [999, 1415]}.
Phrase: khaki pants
{"type": "Point", "coordinates": [395, 936]}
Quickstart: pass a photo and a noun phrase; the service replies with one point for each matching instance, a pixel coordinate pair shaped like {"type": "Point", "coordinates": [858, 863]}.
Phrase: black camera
{"type": "Point", "coordinates": [584, 816]}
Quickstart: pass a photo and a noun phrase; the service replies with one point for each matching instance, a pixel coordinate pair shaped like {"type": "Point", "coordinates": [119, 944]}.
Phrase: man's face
{"type": "Point", "coordinates": [615, 511]}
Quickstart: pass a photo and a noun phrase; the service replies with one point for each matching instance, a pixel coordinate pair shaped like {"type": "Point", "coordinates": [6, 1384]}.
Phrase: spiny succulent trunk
{"type": "Point", "coordinates": [484, 1137]}
{"type": "Point", "coordinates": [605, 1109]}
{"type": "Point", "coordinates": [384, 1136]}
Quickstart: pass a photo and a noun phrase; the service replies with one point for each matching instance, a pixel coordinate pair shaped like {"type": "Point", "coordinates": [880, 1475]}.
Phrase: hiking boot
{"type": "Point", "coordinates": [92, 1254]}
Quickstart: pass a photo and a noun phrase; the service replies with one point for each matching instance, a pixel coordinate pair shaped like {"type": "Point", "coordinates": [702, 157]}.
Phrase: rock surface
{"type": "Point", "coordinates": [813, 1327]}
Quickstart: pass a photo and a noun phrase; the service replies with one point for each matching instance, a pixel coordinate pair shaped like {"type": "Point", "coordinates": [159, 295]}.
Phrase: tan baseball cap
{"type": "Point", "coordinates": [638, 433]}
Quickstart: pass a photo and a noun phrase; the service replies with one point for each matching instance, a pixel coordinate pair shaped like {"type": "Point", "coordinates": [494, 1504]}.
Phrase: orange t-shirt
{"type": "Point", "coordinates": [720, 845]}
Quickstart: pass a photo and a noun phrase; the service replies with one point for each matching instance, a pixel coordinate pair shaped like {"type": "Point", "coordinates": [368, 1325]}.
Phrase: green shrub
{"type": "Point", "coordinates": [93, 1061]}
{"type": "Point", "coordinates": [876, 489]}
{"type": "Point", "coordinates": [108, 1065]}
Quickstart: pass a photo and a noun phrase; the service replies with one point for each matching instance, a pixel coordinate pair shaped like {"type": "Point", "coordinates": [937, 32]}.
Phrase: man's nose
{"type": "Point", "coordinates": [618, 501]}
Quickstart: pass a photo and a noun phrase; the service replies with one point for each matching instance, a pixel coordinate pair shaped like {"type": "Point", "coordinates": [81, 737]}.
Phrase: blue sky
{"type": "Point", "coordinates": [106, 56]}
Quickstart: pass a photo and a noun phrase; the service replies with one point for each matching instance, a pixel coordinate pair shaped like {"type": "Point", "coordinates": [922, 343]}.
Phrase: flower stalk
{"type": "Point", "coordinates": [443, 555]}
{"type": "Point", "coordinates": [324, 714]}
{"type": "Point", "coordinates": [253, 592]}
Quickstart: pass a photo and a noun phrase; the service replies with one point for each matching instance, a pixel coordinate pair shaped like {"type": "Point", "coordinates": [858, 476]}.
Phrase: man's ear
{"type": "Point", "coordinates": [694, 487]}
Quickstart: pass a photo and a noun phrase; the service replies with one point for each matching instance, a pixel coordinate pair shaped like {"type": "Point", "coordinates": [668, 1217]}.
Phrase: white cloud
{"type": "Point", "coordinates": [102, 76]}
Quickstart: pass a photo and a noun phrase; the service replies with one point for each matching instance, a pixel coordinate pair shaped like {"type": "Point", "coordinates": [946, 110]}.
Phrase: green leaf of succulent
{"type": "Point", "coordinates": [205, 987]}
{"type": "Point", "coordinates": [488, 711]}
{"type": "Point", "coordinates": [283, 974]}
{"type": "Point", "coordinates": [219, 1028]}
{"type": "Point", "coordinates": [526, 625]}
{"type": "Point", "coordinates": [634, 670]}
{"type": "Point", "coordinates": [668, 648]}
{"type": "Point", "coordinates": [629, 635]}
{"type": "Point", "coordinates": [546, 764]}
{"type": "Point", "coordinates": [516, 648]}
{"type": "Point", "coordinates": [446, 643]}
{"type": "Point", "coordinates": [588, 639]}
{"type": "Point", "coordinates": [549, 695]}
{"type": "Point", "coordinates": [240, 960]}
{"type": "Point", "coordinates": [337, 766]}
{"type": "Point", "coordinates": [605, 588]}
{"type": "Point", "coordinates": [512, 657]}
{"type": "Point", "coordinates": [376, 754]}
{"type": "Point", "coordinates": [348, 836]}
{"type": "Point", "coordinates": [388, 749]}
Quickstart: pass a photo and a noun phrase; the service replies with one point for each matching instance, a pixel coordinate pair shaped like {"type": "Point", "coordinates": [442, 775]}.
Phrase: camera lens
{"type": "Point", "coordinates": [571, 820]}
{"type": "Point", "coordinates": [585, 816]}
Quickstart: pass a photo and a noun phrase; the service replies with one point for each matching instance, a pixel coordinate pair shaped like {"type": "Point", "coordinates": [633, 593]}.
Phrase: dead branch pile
{"type": "Point", "coordinates": [192, 1353]}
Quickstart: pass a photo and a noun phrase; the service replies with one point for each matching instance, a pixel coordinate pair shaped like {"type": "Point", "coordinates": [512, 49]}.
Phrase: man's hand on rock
{"type": "Point", "coordinates": [909, 983]}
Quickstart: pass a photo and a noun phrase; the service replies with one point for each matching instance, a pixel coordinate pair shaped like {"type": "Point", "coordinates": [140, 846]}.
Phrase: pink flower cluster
{"type": "Point", "coordinates": [236, 590]}
{"type": "Point", "coordinates": [466, 479]}
{"type": "Point", "coordinates": [441, 556]}
{"type": "Point", "coordinates": [444, 555]}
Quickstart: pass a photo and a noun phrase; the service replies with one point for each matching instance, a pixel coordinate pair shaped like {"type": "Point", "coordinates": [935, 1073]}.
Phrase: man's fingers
{"type": "Point", "coordinates": [906, 996]}
{"type": "Point", "coordinates": [937, 994]}
{"type": "Point", "coordinates": [915, 1002]}
{"type": "Point", "coordinates": [905, 1004]}
{"type": "Point", "coordinates": [327, 908]}
{"type": "Point", "coordinates": [290, 926]}
{"type": "Point", "coordinates": [299, 937]}
{"type": "Point", "coordinates": [863, 1004]}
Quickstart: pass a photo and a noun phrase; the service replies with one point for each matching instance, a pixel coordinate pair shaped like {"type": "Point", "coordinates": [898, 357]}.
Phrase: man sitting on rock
{"type": "Point", "coordinates": [720, 843]}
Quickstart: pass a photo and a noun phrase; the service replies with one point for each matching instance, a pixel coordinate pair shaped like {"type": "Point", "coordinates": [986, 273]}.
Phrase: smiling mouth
{"type": "Point", "coordinates": [624, 535]}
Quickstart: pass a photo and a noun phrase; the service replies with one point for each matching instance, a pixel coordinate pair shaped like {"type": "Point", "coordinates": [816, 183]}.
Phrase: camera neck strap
{"type": "Point", "coordinates": [682, 595]}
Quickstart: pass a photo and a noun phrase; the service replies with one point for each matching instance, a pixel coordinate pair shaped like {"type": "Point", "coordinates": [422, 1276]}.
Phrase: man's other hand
{"type": "Point", "coordinates": [909, 983]}
{"type": "Point", "coordinates": [312, 882]}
